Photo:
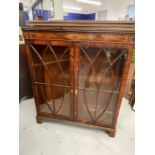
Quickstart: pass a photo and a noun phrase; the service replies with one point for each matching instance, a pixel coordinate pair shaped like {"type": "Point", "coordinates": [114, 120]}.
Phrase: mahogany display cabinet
{"type": "Point", "coordinates": [79, 70]}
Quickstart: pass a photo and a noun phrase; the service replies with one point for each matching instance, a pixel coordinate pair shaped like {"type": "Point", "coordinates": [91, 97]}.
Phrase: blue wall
{"type": "Point", "coordinates": [78, 16]}
{"type": "Point", "coordinates": [45, 14]}
{"type": "Point", "coordinates": [26, 15]}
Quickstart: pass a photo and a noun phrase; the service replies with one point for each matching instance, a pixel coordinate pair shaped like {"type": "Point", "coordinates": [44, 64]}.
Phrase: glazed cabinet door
{"type": "Point", "coordinates": [51, 67]}
{"type": "Point", "coordinates": [98, 76]}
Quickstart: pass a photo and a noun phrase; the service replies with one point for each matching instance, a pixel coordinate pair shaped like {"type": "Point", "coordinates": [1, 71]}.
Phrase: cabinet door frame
{"type": "Point", "coordinates": [34, 87]}
{"type": "Point", "coordinates": [129, 48]}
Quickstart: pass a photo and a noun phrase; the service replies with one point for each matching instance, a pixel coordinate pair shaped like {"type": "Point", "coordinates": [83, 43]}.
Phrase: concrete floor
{"type": "Point", "coordinates": [53, 138]}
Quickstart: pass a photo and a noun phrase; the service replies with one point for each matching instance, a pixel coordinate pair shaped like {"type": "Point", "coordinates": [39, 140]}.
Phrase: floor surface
{"type": "Point", "coordinates": [53, 138]}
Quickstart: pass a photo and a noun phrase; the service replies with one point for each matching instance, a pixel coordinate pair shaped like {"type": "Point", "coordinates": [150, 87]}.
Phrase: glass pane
{"type": "Point", "coordinates": [52, 78]}
{"type": "Point", "coordinates": [100, 71]}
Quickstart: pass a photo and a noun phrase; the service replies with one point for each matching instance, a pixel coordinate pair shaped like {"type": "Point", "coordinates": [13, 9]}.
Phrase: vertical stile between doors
{"type": "Point", "coordinates": [72, 82]}
{"type": "Point", "coordinates": [76, 78]}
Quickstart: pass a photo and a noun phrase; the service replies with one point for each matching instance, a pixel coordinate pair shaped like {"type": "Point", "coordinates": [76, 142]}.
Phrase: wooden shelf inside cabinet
{"type": "Point", "coordinates": [79, 70]}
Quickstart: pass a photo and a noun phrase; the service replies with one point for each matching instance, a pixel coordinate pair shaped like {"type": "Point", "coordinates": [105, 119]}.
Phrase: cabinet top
{"type": "Point", "coordinates": [81, 26]}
